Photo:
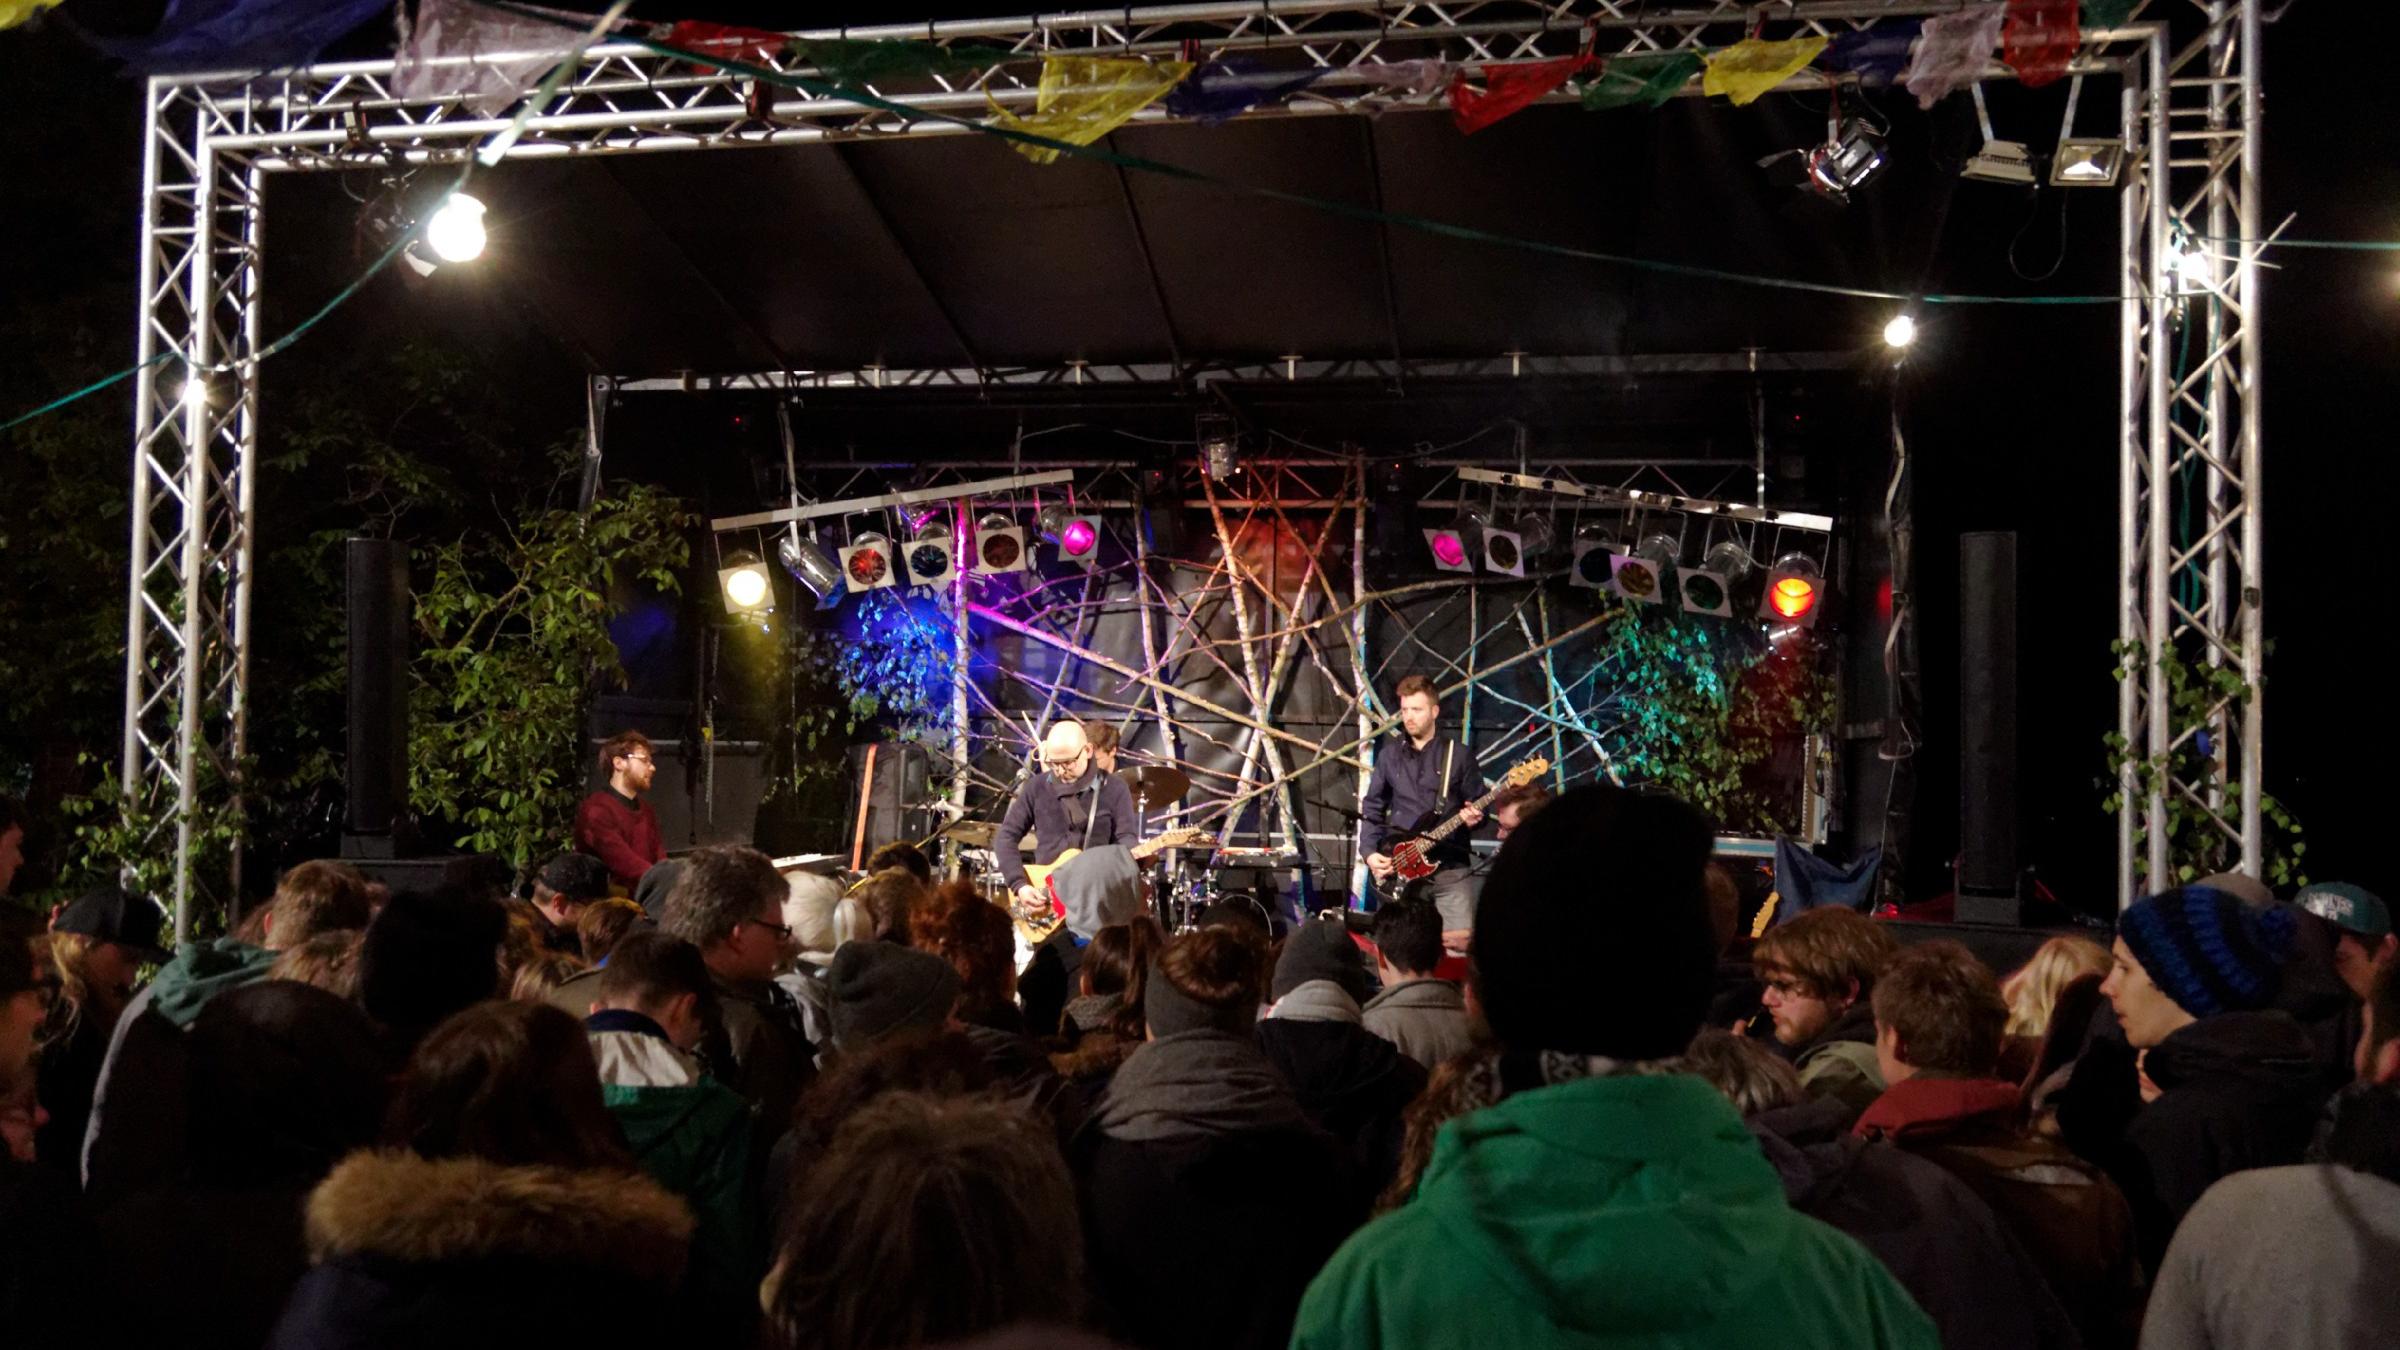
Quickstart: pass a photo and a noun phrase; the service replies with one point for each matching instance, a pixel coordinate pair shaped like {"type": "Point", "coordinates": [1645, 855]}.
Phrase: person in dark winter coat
{"type": "Point", "coordinates": [96, 946]}
{"type": "Point", "coordinates": [1423, 1016]}
{"type": "Point", "coordinates": [1353, 1084]}
{"type": "Point", "coordinates": [2302, 1255]}
{"type": "Point", "coordinates": [1199, 1138]}
{"type": "Point", "coordinates": [1103, 1024]}
{"type": "Point", "coordinates": [1940, 1021]}
{"type": "Point", "coordinates": [284, 1080]}
{"type": "Point", "coordinates": [1581, 1197]}
{"type": "Point", "coordinates": [2207, 1080]}
{"type": "Point", "coordinates": [1945, 1245]}
{"type": "Point", "coordinates": [506, 1212]}
{"type": "Point", "coordinates": [729, 903]}
{"type": "Point", "coordinates": [977, 939]}
{"type": "Point", "coordinates": [1818, 968]}
{"type": "Point", "coordinates": [428, 954]}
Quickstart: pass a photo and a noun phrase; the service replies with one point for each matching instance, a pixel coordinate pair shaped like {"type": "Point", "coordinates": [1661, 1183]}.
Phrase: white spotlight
{"type": "Point", "coordinates": [1900, 332]}
{"type": "Point", "coordinates": [195, 394]}
{"type": "Point", "coordinates": [455, 233]}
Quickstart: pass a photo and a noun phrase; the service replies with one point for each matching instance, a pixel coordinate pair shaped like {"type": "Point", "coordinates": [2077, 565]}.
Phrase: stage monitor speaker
{"type": "Point", "coordinates": [376, 586]}
{"type": "Point", "coordinates": [890, 787]}
{"type": "Point", "coordinates": [1990, 888]}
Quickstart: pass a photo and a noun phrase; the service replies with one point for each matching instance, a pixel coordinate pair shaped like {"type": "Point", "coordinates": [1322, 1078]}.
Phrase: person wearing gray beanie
{"type": "Point", "coordinates": [879, 989]}
{"type": "Point", "coordinates": [1322, 950]}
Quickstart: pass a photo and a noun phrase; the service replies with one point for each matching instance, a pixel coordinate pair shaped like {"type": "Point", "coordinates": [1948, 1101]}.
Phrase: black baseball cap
{"type": "Point", "coordinates": [111, 915]}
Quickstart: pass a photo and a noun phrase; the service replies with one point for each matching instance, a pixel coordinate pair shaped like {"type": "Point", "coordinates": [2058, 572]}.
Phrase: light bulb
{"type": "Point", "coordinates": [1901, 331]}
{"type": "Point", "coordinates": [747, 588]}
{"type": "Point", "coordinates": [455, 234]}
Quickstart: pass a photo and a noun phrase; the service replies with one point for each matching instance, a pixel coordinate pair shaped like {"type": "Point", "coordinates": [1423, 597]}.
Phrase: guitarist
{"type": "Point", "coordinates": [1071, 804]}
{"type": "Point", "coordinates": [1422, 776]}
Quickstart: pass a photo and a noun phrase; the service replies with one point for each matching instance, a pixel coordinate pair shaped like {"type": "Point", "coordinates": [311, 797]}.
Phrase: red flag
{"type": "Point", "coordinates": [726, 42]}
{"type": "Point", "coordinates": [2040, 38]}
{"type": "Point", "coordinates": [1508, 89]}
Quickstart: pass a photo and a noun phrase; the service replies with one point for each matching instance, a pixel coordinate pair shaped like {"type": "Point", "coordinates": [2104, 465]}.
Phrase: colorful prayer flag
{"type": "Point", "coordinates": [1083, 98]}
{"type": "Point", "coordinates": [726, 42]}
{"type": "Point", "coordinates": [1228, 86]}
{"type": "Point", "coordinates": [2040, 39]}
{"type": "Point", "coordinates": [1876, 54]}
{"type": "Point", "coordinates": [860, 61]}
{"type": "Point", "coordinates": [14, 12]}
{"type": "Point", "coordinates": [1952, 52]}
{"type": "Point", "coordinates": [1648, 79]}
{"type": "Point", "coordinates": [257, 35]}
{"type": "Point", "coordinates": [1751, 67]}
{"type": "Point", "coordinates": [1508, 89]}
{"type": "Point", "coordinates": [1422, 78]}
{"type": "Point", "coordinates": [484, 58]}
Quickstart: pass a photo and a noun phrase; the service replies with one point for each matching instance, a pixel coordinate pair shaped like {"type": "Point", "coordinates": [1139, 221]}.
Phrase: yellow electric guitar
{"type": "Point", "coordinates": [1038, 921]}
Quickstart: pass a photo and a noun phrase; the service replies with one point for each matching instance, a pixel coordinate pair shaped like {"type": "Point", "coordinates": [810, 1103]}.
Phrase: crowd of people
{"type": "Point", "coordinates": [708, 1104]}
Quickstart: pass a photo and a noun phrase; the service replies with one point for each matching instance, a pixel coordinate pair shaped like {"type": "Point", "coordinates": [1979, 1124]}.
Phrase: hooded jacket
{"type": "Point", "coordinates": [1352, 1083]}
{"type": "Point", "coordinates": [134, 1138]}
{"type": "Point", "coordinates": [1839, 1064]}
{"type": "Point", "coordinates": [465, 1254]}
{"type": "Point", "coordinates": [1604, 1212]}
{"type": "Point", "coordinates": [1426, 1018]}
{"type": "Point", "coordinates": [2065, 1212]}
{"type": "Point", "coordinates": [2236, 1091]}
{"type": "Point", "coordinates": [2284, 1256]}
{"type": "Point", "coordinates": [1208, 1199]}
{"type": "Point", "coordinates": [692, 1135]}
{"type": "Point", "coordinates": [1924, 1224]}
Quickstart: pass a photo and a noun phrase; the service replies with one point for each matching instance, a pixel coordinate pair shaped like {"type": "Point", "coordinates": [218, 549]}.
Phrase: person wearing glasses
{"type": "Point", "coordinates": [616, 824]}
{"type": "Point", "coordinates": [1072, 803]}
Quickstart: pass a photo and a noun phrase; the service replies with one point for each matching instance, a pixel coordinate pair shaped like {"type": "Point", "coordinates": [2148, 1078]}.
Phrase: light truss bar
{"type": "Point", "coordinates": [1292, 369]}
{"type": "Point", "coordinates": [1654, 501]}
{"type": "Point", "coordinates": [980, 488]}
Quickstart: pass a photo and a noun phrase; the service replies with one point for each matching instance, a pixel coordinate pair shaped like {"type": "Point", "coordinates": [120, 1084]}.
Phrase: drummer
{"type": "Point", "coordinates": [1103, 739]}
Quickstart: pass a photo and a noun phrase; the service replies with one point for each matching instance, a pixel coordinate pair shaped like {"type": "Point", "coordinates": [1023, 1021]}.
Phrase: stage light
{"type": "Point", "coordinates": [1728, 560]}
{"type": "Point", "coordinates": [1504, 552]}
{"type": "Point", "coordinates": [1852, 155]}
{"type": "Point", "coordinates": [1455, 544]}
{"type": "Point", "coordinates": [1794, 592]}
{"type": "Point", "coordinates": [455, 233]}
{"type": "Point", "coordinates": [1705, 592]}
{"type": "Point", "coordinates": [1077, 537]}
{"type": "Point", "coordinates": [812, 567]}
{"type": "Point", "coordinates": [867, 563]}
{"type": "Point", "coordinates": [1641, 576]}
{"type": "Point", "coordinates": [2087, 163]}
{"type": "Point", "coordinates": [1900, 332]}
{"type": "Point", "coordinates": [999, 545]}
{"type": "Point", "coordinates": [1220, 446]}
{"type": "Point", "coordinates": [194, 395]}
{"type": "Point", "coordinates": [1998, 161]}
{"type": "Point", "coordinates": [1535, 532]}
{"type": "Point", "coordinates": [930, 559]}
{"type": "Point", "coordinates": [1589, 566]}
{"type": "Point", "coordinates": [744, 580]}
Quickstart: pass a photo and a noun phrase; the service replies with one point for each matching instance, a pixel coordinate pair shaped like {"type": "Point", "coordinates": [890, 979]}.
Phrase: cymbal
{"type": "Point", "coordinates": [1156, 784]}
{"type": "Point", "coordinates": [971, 833]}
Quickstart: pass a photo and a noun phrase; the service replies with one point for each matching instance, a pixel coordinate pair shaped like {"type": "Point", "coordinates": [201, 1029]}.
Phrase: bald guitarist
{"type": "Point", "coordinates": [1422, 773]}
{"type": "Point", "coordinates": [1070, 804]}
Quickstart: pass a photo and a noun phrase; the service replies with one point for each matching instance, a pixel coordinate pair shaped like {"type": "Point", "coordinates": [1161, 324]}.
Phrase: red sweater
{"type": "Point", "coordinates": [620, 833]}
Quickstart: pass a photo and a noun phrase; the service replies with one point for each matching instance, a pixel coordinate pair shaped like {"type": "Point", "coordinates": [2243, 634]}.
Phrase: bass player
{"type": "Point", "coordinates": [1418, 774]}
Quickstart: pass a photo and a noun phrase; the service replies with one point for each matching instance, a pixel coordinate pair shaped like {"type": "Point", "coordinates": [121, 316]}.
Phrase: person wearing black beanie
{"type": "Point", "coordinates": [427, 955]}
{"type": "Point", "coordinates": [1587, 1196]}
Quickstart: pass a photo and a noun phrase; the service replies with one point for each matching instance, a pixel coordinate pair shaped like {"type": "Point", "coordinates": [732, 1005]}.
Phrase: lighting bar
{"type": "Point", "coordinates": [982, 487]}
{"type": "Point", "coordinates": [1653, 501]}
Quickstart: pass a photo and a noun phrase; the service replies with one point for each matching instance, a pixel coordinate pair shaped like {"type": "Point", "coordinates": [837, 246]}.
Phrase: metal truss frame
{"type": "Point", "coordinates": [210, 139]}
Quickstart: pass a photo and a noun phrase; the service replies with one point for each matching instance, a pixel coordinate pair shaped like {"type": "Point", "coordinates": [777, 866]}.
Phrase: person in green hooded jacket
{"type": "Point", "coordinates": [689, 1132]}
{"type": "Point", "coordinates": [1578, 1202]}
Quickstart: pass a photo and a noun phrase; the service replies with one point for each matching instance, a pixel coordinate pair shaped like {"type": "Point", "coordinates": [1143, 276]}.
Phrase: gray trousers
{"type": "Point", "coordinates": [1455, 891]}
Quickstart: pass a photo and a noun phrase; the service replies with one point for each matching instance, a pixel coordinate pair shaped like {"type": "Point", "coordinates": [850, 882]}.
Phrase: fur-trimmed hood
{"type": "Point", "coordinates": [400, 1207]}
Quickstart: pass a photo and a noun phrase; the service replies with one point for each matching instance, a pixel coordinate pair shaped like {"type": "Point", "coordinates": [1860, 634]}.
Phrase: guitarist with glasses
{"type": "Point", "coordinates": [1422, 774]}
{"type": "Point", "coordinates": [1071, 804]}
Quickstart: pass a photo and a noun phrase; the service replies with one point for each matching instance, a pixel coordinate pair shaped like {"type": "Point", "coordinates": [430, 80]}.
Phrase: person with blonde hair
{"type": "Point", "coordinates": [2032, 991]}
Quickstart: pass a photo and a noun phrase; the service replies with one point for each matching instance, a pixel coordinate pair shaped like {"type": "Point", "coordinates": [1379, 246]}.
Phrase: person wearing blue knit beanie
{"type": "Point", "coordinates": [2209, 1079]}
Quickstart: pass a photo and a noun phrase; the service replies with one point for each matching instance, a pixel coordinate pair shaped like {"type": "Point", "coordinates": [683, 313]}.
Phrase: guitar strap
{"type": "Point", "coordinates": [1091, 814]}
{"type": "Point", "coordinates": [1448, 749]}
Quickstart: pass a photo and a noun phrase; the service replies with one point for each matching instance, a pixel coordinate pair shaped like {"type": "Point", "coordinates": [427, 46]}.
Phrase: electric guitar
{"type": "Point", "coordinates": [1408, 848]}
{"type": "Point", "coordinates": [1037, 922]}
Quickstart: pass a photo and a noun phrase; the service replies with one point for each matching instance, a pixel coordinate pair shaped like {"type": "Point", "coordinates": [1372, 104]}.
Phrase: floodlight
{"type": "Point", "coordinates": [2082, 162]}
{"type": "Point", "coordinates": [930, 558]}
{"type": "Point", "coordinates": [1220, 447]}
{"type": "Point", "coordinates": [1705, 592]}
{"type": "Point", "coordinates": [1504, 552]}
{"type": "Point", "coordinates": [744, 580]}
{"type": "Point", "coordinates": [1728, 560]}
{"type": "Point", "coordinates": [999, 545]}
{"type": "Point", "coordinates": [1641, 576]}
{"type": "Point", "coordinates": [811, 566]}
{"type": "Point", "coordinates": [1589, 566]}
{"type": "Point", "coordinates": [455, 232]}
{"type": "Point", "coordinates": [867, 563]}
{"type": "Point", "coordinates": [1998, 161]}
{"type": "Point", "coordinates": [1851, 155]}
{"type": "Point", "coordinates": [1455, 544]}
{"type": "Point", "coordinates": [1079, 539]}
{"type": "Point", "coordinates": [1794, 591]}
{"type": "Point", "coordinates": [1535, 532]}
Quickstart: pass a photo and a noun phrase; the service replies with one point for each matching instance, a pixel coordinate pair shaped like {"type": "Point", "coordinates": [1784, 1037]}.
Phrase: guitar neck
{"type": "Point", "coordinates": [1448, 827]}
{"type": "Point", "coordinates": [1151, 848]}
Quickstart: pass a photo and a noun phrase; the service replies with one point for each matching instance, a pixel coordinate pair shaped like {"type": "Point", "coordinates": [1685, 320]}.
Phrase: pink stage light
{"type": "Point", "coordinates": [1078, 538]}
{"type": "Point", "coordinates": [1449, 550]}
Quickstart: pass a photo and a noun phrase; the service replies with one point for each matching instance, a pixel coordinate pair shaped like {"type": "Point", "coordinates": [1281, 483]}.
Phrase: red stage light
{"type": "Point", "coordinates": [1449, 550]}
{"type": "Point", "coordinates": [1078, 538]}
{"type": "Point", "coordinates": [1792, 597]}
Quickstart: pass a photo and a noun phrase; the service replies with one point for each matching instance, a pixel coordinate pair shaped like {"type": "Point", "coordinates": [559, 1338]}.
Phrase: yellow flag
{"type": "Point", "coordinates": [1083, 98]}
{"type": "Point", "coordinates": [14, 12]}
{"type": "Point", "coordinates": [1751, 67]}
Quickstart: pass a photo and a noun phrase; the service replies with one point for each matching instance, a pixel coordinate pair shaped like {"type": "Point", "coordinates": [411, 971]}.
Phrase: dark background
{"type": "Point", "coordinates": [2010, 411]}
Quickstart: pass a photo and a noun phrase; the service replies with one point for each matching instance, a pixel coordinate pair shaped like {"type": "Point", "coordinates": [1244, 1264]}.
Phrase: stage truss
{"type": "Point", "coordinates": [2190, 123]}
